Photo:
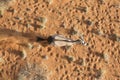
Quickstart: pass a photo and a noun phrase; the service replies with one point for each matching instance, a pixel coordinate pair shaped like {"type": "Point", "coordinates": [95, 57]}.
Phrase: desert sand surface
{"type": "Point", "coordinates": [22, 58]}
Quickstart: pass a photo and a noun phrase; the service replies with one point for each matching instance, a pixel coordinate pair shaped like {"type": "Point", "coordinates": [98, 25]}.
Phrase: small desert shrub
{"type": "Point", "coordinates": [33, 72]}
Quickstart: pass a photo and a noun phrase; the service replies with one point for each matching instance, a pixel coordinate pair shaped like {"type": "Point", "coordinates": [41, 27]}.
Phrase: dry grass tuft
{"type": "Point", "coordinates": [33, 72]}
{"type": "Point", "coordinates": [4, 4]}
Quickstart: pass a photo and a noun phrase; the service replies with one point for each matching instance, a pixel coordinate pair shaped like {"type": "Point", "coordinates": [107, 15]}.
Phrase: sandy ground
{"type": "Point", "coordinates": [22, 58]}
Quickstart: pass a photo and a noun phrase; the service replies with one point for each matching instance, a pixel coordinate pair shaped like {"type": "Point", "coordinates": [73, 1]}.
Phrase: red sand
{"type": "Point", "coordinates": [97, 20]}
